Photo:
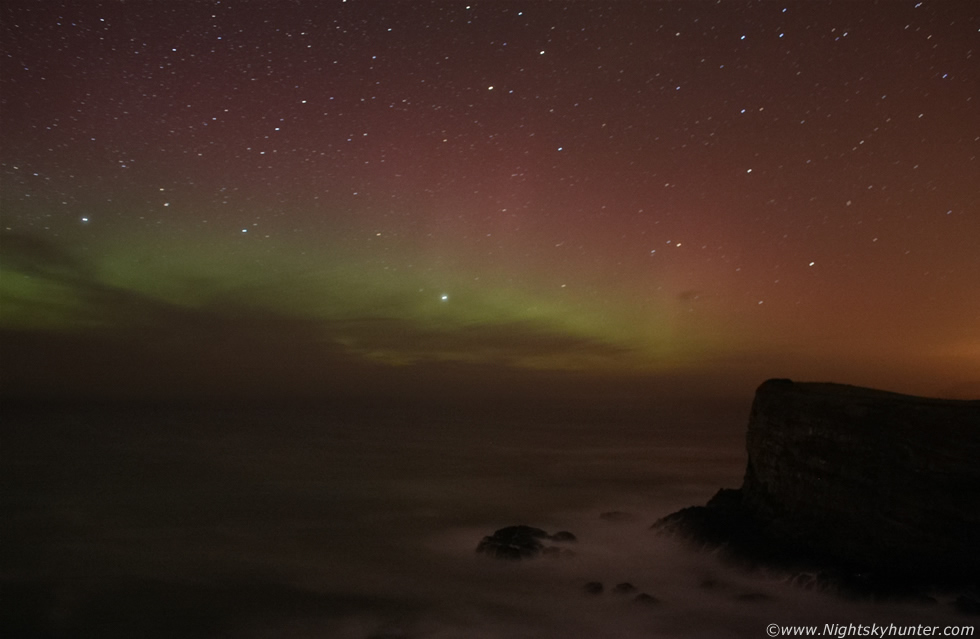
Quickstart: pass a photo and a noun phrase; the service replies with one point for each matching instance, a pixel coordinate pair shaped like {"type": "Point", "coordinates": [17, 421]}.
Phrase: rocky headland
{"type": "Point", "coordinates": [876, 491]}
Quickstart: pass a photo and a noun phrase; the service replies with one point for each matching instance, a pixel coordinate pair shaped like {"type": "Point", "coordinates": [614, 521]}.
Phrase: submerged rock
{"type": "Point", "coordinates": [752, 597]}
{"type": "Point", "coordinates": [617, 517]}
{"type": "Point", "coordinates": [967, 605]}
{"type": "Point", "coordinates": [593, 588]}
{"type": "Point", "coordinates": [557, 552]}
{"type": "Point", "coordinates": [524, 542]}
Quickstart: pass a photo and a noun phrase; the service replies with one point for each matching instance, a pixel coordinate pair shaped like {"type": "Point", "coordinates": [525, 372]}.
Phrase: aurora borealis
{"type": "Point", "coordinates": [278, 198]}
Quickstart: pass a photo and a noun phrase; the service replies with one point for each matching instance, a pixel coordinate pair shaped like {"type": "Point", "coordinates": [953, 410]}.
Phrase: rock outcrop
{"type": "Point", "coordinates": [524, 542]}
{"type": "Point", "coordinates": [860, 478]}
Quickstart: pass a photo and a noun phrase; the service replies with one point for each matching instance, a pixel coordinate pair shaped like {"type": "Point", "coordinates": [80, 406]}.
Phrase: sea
{"type": "Point", "coordinates": [361, 522]}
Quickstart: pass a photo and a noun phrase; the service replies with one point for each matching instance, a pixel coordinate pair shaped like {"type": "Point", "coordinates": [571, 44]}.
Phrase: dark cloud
{"type": "Point", "coordinates": [118, 342]}
{"type": "Point", "coordinates": [505, 343]}
{"type": "Point", "coordinates": [40, 257]}
{"type": "Point", "coordinates": [689, 296]}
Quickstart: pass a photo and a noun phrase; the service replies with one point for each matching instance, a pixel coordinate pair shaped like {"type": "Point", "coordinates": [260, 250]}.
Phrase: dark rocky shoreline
{"type": "Point", "coordinates": [859, 491]}
{"type": "Point", "coordinates": [724, 526]}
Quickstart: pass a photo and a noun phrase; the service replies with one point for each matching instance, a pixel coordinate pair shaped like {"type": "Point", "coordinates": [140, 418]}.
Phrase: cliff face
{"type": "Point", "coordinates": [866, 477]}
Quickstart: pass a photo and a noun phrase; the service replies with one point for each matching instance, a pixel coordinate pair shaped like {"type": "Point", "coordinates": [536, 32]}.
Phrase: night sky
{"type": "Point", "coordinates": [303, 198]}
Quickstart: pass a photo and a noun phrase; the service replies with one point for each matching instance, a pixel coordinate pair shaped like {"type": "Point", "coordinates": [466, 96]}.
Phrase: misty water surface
{"type": "Point", "coordinates": [325, 523]}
